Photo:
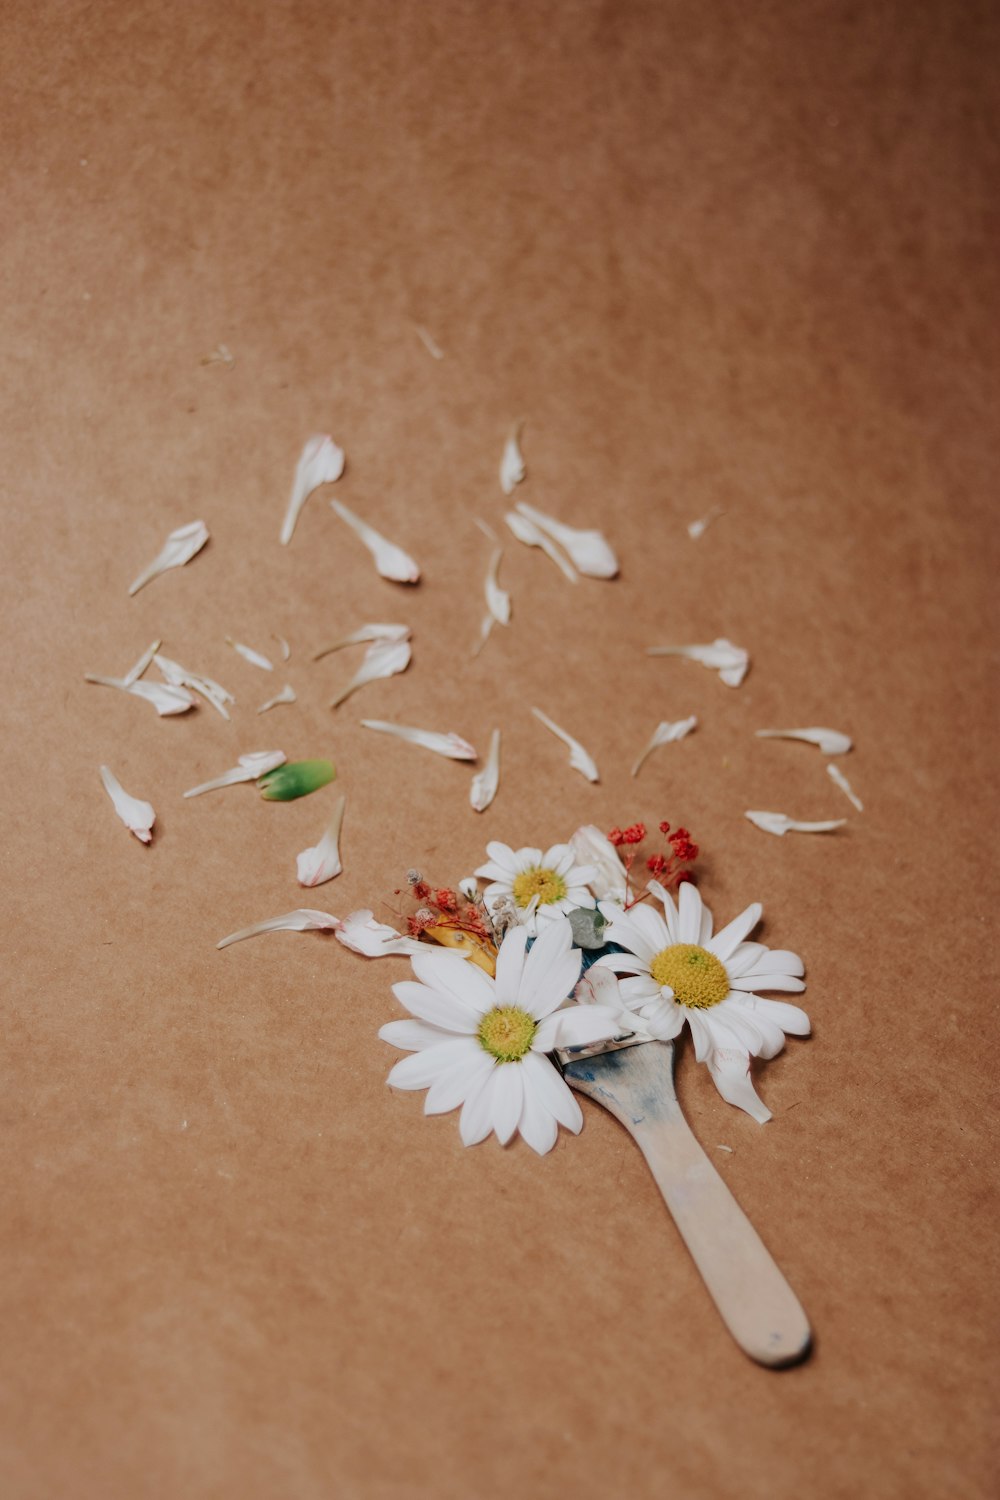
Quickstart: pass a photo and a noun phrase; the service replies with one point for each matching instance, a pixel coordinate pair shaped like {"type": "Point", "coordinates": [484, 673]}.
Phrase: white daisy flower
{"type": "Point", "coordinates": [679, 972]}
{"type": "Point", "coordinates": [480, 1042]}
{"type": "Point", "coordinates": [540, 886]}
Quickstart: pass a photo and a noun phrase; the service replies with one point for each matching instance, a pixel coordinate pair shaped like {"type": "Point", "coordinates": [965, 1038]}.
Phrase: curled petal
{"type": "Point", "coordinates": [730, 1070]}
{"type": "Point", "coordinates": [164, 698]}
{"type": "Point", "coordinates": [283, 646]}
{"type": "Point", "coordinates": [138, 816]}
{"type": "Point", "coordinates": [512, 469]}
{"type": "Point", "coordinates": [532, 536]}
{"type": "Point", "coordinates": [450, 745]}
{"type": "Point", "coordinates": [384, 658]}
{"type": "Point", "coordinates": [302, 920]}
{"type": "Point", "coordinates": [837, 776]}
{"type": "Point", "coordinates": [830, 741]}
{"type": "Point", "coordinates": [485, 782]}
{"type": "Point", "coordinates": [497, 599]}
{"type": "Point", "coordinates": [731, 662]}
{"type": "Point", "coordinates": [320, 462]}
{"type": "Point", "coordinates": [364, 634]}
{"type": "Point", "coordinates": [181, 545]}
{"type": "Point", "coordinates": [360, 932]}
{"type": "Point", "coordinates": [287, 695]}
{"type": "Point", "coordinates": [178, 676]}
{"type": "Point", "coordinates": [666, 733]}
{"type": "Point", "coordinates": [390, 561]}
{"type": "Point", "coordinates": [778, 823]}
{"type": "Point", "coordinates": [322, 862]}
{"type": "Point", "coordinates": [579, 758]}
{"type": "Point", "coordinates": [250, 767]}
{"type": "Point", "coordinates": [589, 551]}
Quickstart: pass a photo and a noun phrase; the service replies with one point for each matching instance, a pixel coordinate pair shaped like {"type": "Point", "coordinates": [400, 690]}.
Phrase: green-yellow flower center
{"type": "Point", "coordinates": [697, 978]}
{"type": "Point", "coordinates": [545, 884]}
{"type": "Point", "coordinates": [506, 1033]}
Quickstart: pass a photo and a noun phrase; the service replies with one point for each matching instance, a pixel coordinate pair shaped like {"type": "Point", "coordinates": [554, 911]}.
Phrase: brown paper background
{"type": "Point", "coordinates": [714, 256]}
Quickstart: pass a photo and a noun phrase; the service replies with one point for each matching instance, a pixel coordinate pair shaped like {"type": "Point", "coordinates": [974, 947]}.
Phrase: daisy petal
{"type": "Point", "coordinates": [181, 545]}
{"type": "Point", "coordinates": [322, 862]}
{"type": "Point", "coordinates": [593, 849]}
{"type": "Point", "coordinates": [546, 1082]}
{"type": "Point", "coordinates": [762, 981]}
{"type": "Point", "coordinates": [366, 634]}
{"type": "Point", "coordinates": [320, 462]}
{"type": "Point", "coordinates": [453, 1087]}
{"type": "Point", "coordinates": [382, 659]}
{"type": "Point", "coordinates": [579, 758]}
{"type": "Point", "coordinates": [421, 1069]}
{"type": "Point", "coordinates": [667, 733]}
{"type": "Point", "coordinates": [576, 1026]}
{"type": "Point", "coordinates": [362, 934]}
{"type": "Point", "coordinates": [510, 966]}
{"type": "Point", "coordinates": [413, 1036]}
{"type": "Point", "coordinates": [837, 776]}
{"type": "Point", "coordinates": [589, 551]}
{"type": "Point", "coordinates": [433, 1006]}
{"type": "Point", "coordinates": [791, 1018]}
{"type": "Point", "coordinates": [641, 930]}
{"type": "Point", "coordinates": [390, 561]}
{"type": "Point", "coordinates": [730, 1070]}
{"type": "Point", "coordinates": [778, 823]}
{"type": "Point", "coordinates": [453, 975]}
{"type": "Point", "coordinates": [512, 469]}
{"type": "Point", "coordinates": [689, 912]}
{"type": "Point", "coordinates": [527, 532]}
{"type": "Point", "coordinates": [476, 1120]}
{"type": "Point", "coordinates": [536, 1126]}
{"type": "Point", "coordinates": [508, 1099]}
{"type": "Point", "coordinates": [485, 782]}
{"type": "Point", "coordinates": [731, 662]}
{"type": "Point", "coordinates": [830, 741]}
{"type": "Point", "coordinates": [728, 940]}
{"type": "Point", "coordinates": [551, 969]}
{"type": "Point", "coordinates": [301, 920]}
{"type": "Point", "coordinates": [450, 745]}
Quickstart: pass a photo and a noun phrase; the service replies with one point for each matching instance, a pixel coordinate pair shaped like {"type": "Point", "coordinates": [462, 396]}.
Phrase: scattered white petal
{"type": "Point", "coordinates": [720, 1147]}
{"type": "Point", "coordinates": [134, 673]}
{"type": "Point", "coordinates": [589, 551]}
{"type": "Point", "coordinates": [181, 545]}
{"type": "Point", "coordinates": [249, 654]}
{"type": "Point", "coordinates": [430, 344]}
{"type": "Point", "coordinates": [179, 676]}
{"type": "Point", "coordinates": [497, 599]}
{"type": "Point", "coordinates": [283, 646]}
{"type": "Point", "coordinates": [487, 530]}
{"type": "Point", "coordinates": [251, 766]}
{"type": "Point", "coordinates": [836, 774]}
{"type": "Point", "coordinates": [731, 662]}
{"type": "Point", "coordinates": [360, 932]}
{"type": "Point", "coordinates": [390, 561]}
{"type": "Point", "coordinates": [485, 782]}
{"type": "Point", "coordinates": [382, 659]}
{"type": "Point", "coordinates": [578, 756]}
{"type": "Point", "coordinates": [220, 355]}
{"type": "Point", "coordinates": [830, 741]}
{"type": "Point", "coordinates": [512, 469]}
{"type": "Point", "coordinates": [320, 462]}
{"type": "Point", "coordinates": [485, 631]}
{"type": "Point", "coordinates": [367, 633]}
{"type": "Point", "coordinates": [287, 695]}
{"type": "Point", "coordinates": [666, 734]}
{"type": "Point", "coordinates": [527, 532]}
{"type": "Point", "coordinates": [164, 698]}
{"type": "Point", "coordinates": [697, 529]}
{"type": "Point", "coordinates": [322, 862]}
{"type": "Point", "coordinates": [772, 822]}
{"type": "Point", "coordinates": [450, 745]}
{"type": "Point", "coordinates": [137, 816]}
{"type": "Point", "coordinates": [301, 920]}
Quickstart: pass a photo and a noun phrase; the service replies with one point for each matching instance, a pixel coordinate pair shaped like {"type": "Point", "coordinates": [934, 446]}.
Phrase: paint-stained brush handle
{"type": "Point", "coordinates": [756, 1303]}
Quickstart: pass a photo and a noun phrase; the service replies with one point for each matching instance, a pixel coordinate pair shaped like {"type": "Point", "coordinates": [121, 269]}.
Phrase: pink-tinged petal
{"type": "Point", "coordinates": [453, 1087]}
{"type": "Point", "coordinates": [790, 1018]}
{"type": "Point", "coordinates": [420, 1069]}
{"type": "Point", "coordinates": [476, 1120]}
{"type": "Point", "coordinates": [510, 966]}
{"type": "Point", "coordinates": [728, 940]}
{"type": "Point", "coordinates": [547, 1084]}
{"type": "Point", "coordinates": [438, 1009]}
{"type": "Point", "coordinates": [730, 1070]}
{"type": "Point", "coordinates": [576, 1026]}
{"type": "Point", "coordinates": [508, 1099]}
{"type": "Point", "coordinates": [413, 1036]}
{"type": "Point", "coordinates": [551, 970]}
{"type": "Point", "coordinates": [690, 906]}
{"type": "Point", "coordinates": [536, 1126]}
{"type": "Point", "coordinates": [598, 986]}
{"type": "Point", "coordinates": [453, 975]}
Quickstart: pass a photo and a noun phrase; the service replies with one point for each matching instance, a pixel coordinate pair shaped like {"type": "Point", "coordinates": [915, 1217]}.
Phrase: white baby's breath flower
{"type": "Point", "coordinates": [320, 462]}
{"type": "Point", "coordinates": [138, 816]}
{"type": "Point", "coordinates": [778, 823]}
{"type": "Point", "coordinates": [485, 782]}
{"type": "Point", "coordinates": [390, 561]}
{"type": "Point", "coordinates": [254, 764]}
{"type": "Point", "coordinates": [452, 746]}
{"type": "Point", "coordinates": [512, 470]}
{"type": "Point", "coordinates": [539, 886]}
{"type": "Point", "coordinates": [837, 776]}
{"type": "Point", "coordinates": [579, 758]}
{"type": "Point", "coordinates": [383, 658]}
{"type": "Point", "coordinates": [830, 741]}
{"type": "Point", "coordinates": [322, 862]}
{"type": "Point", "coordinates": [181, 545]}
{"type": "Point", "coordinates": [679, 973]}
{"type": "Point", "coordinates": [481, 1043]}
{"type": "Point", "coordinates": [666, 733]}
{"type": "Point", "coordinates": [589, 551]}
{"type": "Point", "coordinates": [731, 662]}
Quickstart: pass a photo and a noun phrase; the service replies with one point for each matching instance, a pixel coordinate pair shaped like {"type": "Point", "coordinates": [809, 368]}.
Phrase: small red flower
{"type": "Point", "coordinates": [634, 834]}
{"type": "Point", "coordinates": [446, 899]}
{"type": "Point", "coordinates": [664, 827]}
{"type": "Point", "coordinates": [616, 837]}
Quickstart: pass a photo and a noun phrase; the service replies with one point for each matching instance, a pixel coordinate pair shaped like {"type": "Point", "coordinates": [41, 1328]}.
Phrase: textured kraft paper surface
{"type": "Point", "coordinates": [714, 257]}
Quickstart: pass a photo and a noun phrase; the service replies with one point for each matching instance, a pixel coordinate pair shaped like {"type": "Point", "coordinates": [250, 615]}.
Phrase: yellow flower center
{"type": "Point", "coordinates": [545, 884]}
{"type": "Point", "coordinates": [507, 1032]}
{"type": "Point", "coordinates": [697, 978]}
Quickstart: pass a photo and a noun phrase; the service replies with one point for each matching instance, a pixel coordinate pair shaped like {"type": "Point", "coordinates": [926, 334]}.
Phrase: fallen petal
{"type": "Point", "coordinates": [592, 847]}
{"type": "Point", "coordinates": [296, 778]}
{"type": "Point", "coordinates": [362, 934]}
{"type": "Point", "coordinates": [287, 695]}
{"type": "Point", "coordinates": [450, 745]}
{"type": "Point", "coordinates": [485, 782]}
{"type": "Point", "coordinates": [320, 462]}
{"type": "Point", "coordinates": [322, 862]}
{"type": "Point", "coordinates": [497, 599]}
{"type": "Point", "coordinates": [430, 344]}
{"type": "Point", "coordinates": [485, 631]}
{"type": "Point", "coordinates": [164, 698]}
{"type": "Point", "coordinates": [390, 561]}
{"type": "Point", "coordinates": [178, 676]}
{"type": "Point", "coordinates": [512, 469]}
{"type": "Point", "coordinates": [181, 545]}
{"type": "Point", "coordinates": [248, 654]}
{"type": "Point", "coordinates": [251, 766]}
{"type": "Point", "coordinates": [135, 672]}
{"type": "Point", "coordinates": [836, 775]}
{"type": "Point", "coordinates": [578, 756]}
{"type": "Point", "coordinates": [772, 822]}
{"type": "Point", "coordinates": [590, 551]}
{"type": "Point", "coordinates": [830, 741]}
{"type": "Point", "coordinates": [666, 734]}
{"type": "Point", "coordinates": [367, 633]}
{"type": "Point", "coordinates": [301, 920]}
{"type": "Point", "coordinates": [384, 658]}
{"type": "Point", "coordinates": [731, 662]}
{"type": "Point", "coordinates": [137, 816]}
{"type": "Point", "coordinates": [730, 1070]}
{"type": "Point", "coordinates": [527, 532]}
{"type": "Point", "coordinates": [697, 529]}
{"type": "Point", "coordinates": [283, 646]}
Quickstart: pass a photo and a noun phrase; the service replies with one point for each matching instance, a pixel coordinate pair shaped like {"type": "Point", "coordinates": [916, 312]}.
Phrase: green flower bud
{"type": "Point", "coordinates": [297, 778]}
